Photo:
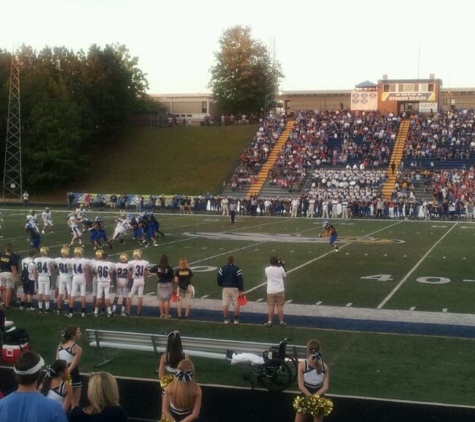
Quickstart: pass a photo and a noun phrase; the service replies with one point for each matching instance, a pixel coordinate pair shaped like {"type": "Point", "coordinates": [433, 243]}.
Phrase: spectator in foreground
{"type": "Point", "coordinates": [103, 396]}
{"type": "Point", "coordinates": [182, 399]}
{"type": "Point", "coordinates": [26, 404]}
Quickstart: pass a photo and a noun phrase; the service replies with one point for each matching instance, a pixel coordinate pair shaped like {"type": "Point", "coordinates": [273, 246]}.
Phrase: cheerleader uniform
{"type": "Point", "coordinates": [179, 414]}
{"type": "Point", "coordinates": [57, 393]}
{"type": "Point", "coordinates": [312, 380]}
{"type": "Point", "coordinates": [67, 354]}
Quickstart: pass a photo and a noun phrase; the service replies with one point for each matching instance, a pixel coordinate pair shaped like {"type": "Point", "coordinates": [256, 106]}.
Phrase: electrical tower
{"type": "Point", "coordinates": [12, 180]}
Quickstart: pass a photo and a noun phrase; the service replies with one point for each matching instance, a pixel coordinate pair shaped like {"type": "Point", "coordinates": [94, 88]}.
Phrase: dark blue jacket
{"type": "Point", "coordinates": [230, 275]}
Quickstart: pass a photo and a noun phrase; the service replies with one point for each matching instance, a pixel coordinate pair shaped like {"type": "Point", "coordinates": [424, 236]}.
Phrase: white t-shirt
{"type": "Point", "coordinates": [275, 279]}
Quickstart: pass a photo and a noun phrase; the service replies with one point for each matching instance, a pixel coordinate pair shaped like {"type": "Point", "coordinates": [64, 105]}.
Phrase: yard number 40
{"type": "Point", "coordinates": [426, 280]}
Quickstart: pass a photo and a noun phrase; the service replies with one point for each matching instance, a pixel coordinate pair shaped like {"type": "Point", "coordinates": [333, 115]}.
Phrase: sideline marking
{"type": "Point", "coordinates": [445, 310]}
{"type": "Point", "coordinates": [398, 286]}
{"type": "Point", "coordinates": [412, 308]}
{"type": "Point", "coordinates": [348, 305]}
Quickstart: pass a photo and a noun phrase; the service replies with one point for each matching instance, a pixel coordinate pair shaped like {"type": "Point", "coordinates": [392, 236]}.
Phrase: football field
{"type": "Point", "coordinates": [382, 264]}
{"type": "Point", "coordinates": [384, 267]}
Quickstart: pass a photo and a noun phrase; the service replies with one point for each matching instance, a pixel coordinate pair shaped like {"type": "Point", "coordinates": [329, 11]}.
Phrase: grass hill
{"type": "Point", "coordinates": [182, 160]}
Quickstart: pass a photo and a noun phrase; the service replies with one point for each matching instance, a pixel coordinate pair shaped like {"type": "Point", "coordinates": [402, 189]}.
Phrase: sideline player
{"type": "Point", "coordinates": [138, 273]}
{"type": "Point", "coordinates": [104, 270]}
{"type": "Point", "coordinates": [44, 266]}
{"type": "Point", "coordinates": [330, 232]}
{"type": "Point", "coordinates": [64, 282]}
{"type": "Point", "coordinates": [81, 268]}
{"type": "Point", "coordinates": [122, 283]}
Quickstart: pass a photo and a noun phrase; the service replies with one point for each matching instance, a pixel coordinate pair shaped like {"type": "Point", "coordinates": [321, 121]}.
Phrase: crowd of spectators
{"type": "Point", "coordinates": [257, 152]}
{"type": "Point", "coordinates": [337, 139]}
{"type": "Point", "coordinates": [440, 137]}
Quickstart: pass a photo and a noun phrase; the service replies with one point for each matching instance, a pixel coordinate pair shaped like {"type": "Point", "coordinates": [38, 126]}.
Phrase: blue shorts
{"type": "Point", "coordinates": [150, 232]}
{"type": "Point", "coordinates": [29, 287]}
{"type": "Point", "coordinates": [101, 235]}
{"type": "Point", "coordinates": [333, 238]}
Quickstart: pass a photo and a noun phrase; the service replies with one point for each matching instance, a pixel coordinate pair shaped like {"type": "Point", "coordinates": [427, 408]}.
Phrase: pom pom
{"type": "Point", "coordinates": [165, 419]}
{"type": "Point", "coordinates": [165, 380]}
{"type": "Point", "coordinates": [314, 405]}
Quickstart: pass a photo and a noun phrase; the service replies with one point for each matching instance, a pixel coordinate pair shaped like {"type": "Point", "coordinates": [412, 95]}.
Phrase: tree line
{"type": "Point", "coordinates": [74, 102]}
{"type": "Point", "coordinates": [70, 103]}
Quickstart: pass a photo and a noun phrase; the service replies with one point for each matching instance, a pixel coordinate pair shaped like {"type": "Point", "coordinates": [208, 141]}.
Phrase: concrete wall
{"type": "Point", "coordinates": [142, 401]}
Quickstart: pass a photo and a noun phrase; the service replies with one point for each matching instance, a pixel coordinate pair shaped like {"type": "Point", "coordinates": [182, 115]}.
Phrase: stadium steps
{"type": "Point", "coordinates": [396, 157]}
{"type": "Point", "coordinates": [270, 190]}
{"type": "Point", "coordinates": [264, 171]}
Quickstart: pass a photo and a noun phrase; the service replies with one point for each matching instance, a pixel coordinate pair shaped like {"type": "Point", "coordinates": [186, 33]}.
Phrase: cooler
{"type": "Point", "coordinates": [10, 352]}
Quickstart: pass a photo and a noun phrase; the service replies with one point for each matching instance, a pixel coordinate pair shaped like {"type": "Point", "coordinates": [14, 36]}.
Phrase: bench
{"type": "Point", "coordinates": [192, 346]}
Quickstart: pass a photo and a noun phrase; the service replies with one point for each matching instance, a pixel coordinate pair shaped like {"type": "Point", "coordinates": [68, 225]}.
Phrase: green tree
{"type": "Point", "coordinates": [114, 86]}
{"type": "Point", "coordinates": [70, 103]}
{"type": "Point", "coordinates": [245, 78]}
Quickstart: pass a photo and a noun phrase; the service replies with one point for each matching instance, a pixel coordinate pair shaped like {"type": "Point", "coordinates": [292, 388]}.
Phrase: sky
{"type": "Point", "coordinates": [321, 45]}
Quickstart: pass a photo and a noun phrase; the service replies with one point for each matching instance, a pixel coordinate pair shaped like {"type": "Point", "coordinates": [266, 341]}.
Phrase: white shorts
{"type": "Point", "coordinates": [7, 279]}
{"type": "Point", "coordinates": [137, 287]}
{"type": "Point", "coordinates": [44, 286]}
{"type": "Point", "coordinates": [119, 231]}
{"type": "Point", "coordinates": [122, 287]}
{"type": "Point", "coordinates": [104, 287]}
{"type": "Point", "coordinates": [64, 284]}
{"type": "Point", "coordinates": [77, 232]}
{"type": "Point", "coordinates": [79, 282]}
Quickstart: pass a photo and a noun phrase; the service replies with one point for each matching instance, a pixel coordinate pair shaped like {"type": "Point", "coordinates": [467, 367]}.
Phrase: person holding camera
{"type": "Point", "coordinates": [275, 274]}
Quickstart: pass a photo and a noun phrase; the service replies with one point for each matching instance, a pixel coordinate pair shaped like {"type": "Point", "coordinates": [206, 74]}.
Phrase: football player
{"type": "Point", "coordinates": [331, 233]}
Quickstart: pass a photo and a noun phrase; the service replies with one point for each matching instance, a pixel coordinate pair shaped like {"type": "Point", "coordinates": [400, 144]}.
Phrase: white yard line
{"type": "Point", "coordinates": [398, 286]}
{"type": "Point", "coordinates": [324, 255]}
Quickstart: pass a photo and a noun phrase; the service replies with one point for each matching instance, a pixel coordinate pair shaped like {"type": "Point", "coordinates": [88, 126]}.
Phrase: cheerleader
{"type": "Point", "coordinates": [71, 352]}
{"type": "Point", "coordinates": [182, 399]}
{"type": "Point", "coordinates": [313, 376]}
{"type": "Point", "coordinates": [55, 385]}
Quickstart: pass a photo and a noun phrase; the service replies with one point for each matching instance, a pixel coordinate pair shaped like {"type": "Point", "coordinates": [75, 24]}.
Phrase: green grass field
{"type": "Point", "coordinates": [382, 264]}
{"type": "Point", "coordinates": [182, 160]}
